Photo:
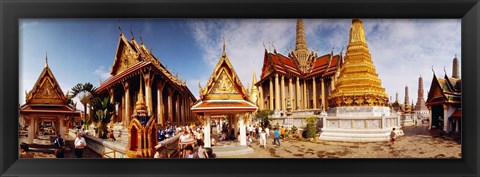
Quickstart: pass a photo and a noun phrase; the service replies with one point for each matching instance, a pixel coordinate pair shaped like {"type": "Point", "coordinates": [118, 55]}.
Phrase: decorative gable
{"type": "Point", "coordinates": [223, 85]}
{"type": "Point", "coordinates": [46, 90]}
{"type": "Point", "coordinates": [125, 57]}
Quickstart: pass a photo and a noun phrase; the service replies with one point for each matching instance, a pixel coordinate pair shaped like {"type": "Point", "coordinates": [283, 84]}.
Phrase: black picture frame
{"type": "Point", "coordinates": [11, 11]}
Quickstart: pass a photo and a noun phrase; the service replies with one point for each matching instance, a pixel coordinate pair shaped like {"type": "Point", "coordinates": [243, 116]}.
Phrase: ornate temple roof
{"type": "Point", "coordinates": [130, 58]}
{"type": "Point", "coordinates": [301, 62]}
{"type": "Point", "coordinates": [224, 92]}
{"type": "Point", "coordinates": [47, 96]}
{"type": "Point", "coordinates": [445, 90]}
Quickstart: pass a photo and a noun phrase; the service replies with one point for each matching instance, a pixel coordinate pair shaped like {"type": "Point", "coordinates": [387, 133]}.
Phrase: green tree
{"type": "Point", "coordinates": [83, 91]}
{"type": "Point", "coordinates": [103, 110]}
{"type": "Point", "coordinates": [263, 117]}
{"type": "Point", "coordinates": [311, 127]}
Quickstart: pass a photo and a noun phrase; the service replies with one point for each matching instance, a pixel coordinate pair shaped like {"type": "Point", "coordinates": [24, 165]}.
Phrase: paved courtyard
{"type": "Point", "coordinates": [43, 148]}
{"type": "Point", "coordinates": [418, 142]}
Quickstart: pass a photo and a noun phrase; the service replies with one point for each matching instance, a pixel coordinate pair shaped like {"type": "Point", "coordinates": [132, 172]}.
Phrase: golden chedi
{"type": "Point", "coordinates": [358, 83]}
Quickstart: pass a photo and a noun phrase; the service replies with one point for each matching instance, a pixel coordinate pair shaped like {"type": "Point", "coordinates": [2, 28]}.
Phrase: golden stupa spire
{"type": "Point", "coordinates": [301, 49]}
{"type": "Point", "coordinates": [358, 75]}
{"type": "Point", "coordinates": [140, 105]}
{"type": "Point", "coordinates": [224, 53]}
{"type": "Point", "coordinates": [46, 59]}
{"type": "Point", "coordinates": [254, 91]}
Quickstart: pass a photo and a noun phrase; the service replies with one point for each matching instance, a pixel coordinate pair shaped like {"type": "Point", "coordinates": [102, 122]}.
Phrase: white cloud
{"type": "Point", "coordinates": [101, 71]}
{"type": "Point", "coordinates": [402, 50]}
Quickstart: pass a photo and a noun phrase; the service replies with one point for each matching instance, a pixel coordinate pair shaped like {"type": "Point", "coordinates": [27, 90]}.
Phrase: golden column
{"type": "Point", "coordinates": [314, 86]}
{"type": "Point", "coordinates": [147, 77]}
{"type": "Point", "coordinates": [271, 94]}
{"type": "Point", "coordinates": [126, 88]}
{"type": "Point", "coordinates": [277, 93]}
{"type": "Point", "coordinates": [282, 89]}
{"type": "Point", "coordinates": [358, 80]}
{"type": "Point", "coordinates": [170, 104]}
{"type": "Point", "coordinates": [111, 93]}
{"type": "Point", "coordinates": [160, 87]}
{"type": "Point", "coordinates": [290, 89]}
{"type": "Point", "coordinates": [298, 91]}
{"type": "Point", "coordinates": [305, 97]}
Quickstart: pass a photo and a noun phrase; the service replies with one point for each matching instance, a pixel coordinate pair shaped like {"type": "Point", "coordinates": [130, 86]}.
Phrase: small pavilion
{"type": "Point", "coordinates": [224, 96]}
{"type": "Point", "coordinates": [46, 107]}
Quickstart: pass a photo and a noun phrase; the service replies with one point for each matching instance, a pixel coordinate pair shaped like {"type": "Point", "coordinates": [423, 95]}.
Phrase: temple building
{"type": "Point", "coordinates": [301, 77]}
{"type": "Point", "coordinates": [167, 98]}
{"type": "Point", "coordinates": [421, 109]}
{"type": "Point", "coordinates": [359, 104]}
{"type": "Point", "coordinates": [224, 96]}
{"type": "Point", "coordinates": [47, 110]}
{"type": "Point", "coordinates": [445, 101]}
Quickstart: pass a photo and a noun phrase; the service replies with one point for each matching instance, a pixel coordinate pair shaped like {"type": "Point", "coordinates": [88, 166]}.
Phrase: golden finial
{"type": "Point", "coordinates": [46, 59]}
{"type": "Point", "coordinates": [131, 32]}
{"type": "Point", "coordinates": [433, 70]}
{"type": "Point", "coordinates": [224, 53]}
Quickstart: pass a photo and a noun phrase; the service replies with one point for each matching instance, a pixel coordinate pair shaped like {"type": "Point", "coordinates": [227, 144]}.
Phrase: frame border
{"type": "Point", "coordinates": [11, 11]}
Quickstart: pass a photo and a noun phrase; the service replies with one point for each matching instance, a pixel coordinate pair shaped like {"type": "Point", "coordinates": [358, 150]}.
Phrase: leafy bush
{"type": "Point", "coordinates": [262, 116]}
{"type": "Point", "coordinates": [311, 129]}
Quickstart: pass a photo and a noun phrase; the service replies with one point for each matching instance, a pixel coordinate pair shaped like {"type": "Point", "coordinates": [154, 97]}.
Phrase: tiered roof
{"type": "Point", "coordinates": [446, 90]}
{"type": "Point", "coordinates": [46, 96]}
{"type": "Point", "coordinates": [130, 58]}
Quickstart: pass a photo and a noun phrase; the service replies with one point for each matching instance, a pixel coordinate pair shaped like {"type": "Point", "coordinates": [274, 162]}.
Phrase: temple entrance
{"type": "Point", "coordinates": [47, 126]}
{"type": "Point", "coordinates": [437, 117]}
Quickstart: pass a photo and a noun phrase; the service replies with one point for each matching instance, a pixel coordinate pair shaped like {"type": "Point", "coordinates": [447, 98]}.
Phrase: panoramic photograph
{"type": "Point", "coordinates": [240, 88]}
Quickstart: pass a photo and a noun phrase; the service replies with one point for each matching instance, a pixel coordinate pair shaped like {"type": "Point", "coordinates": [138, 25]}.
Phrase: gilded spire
{"type": "Point", "coordinates": [254, 91]}
{"type": "Point", "coordinates": [301, 50]}
{"type": "Point", "coordinates": [140, 105]}
{"type": "Point", "coordinates": [357, 33]}
{"type": "Point", "coordinates": [224, 53]}
{"type": "Point", "coordinates": [46, 59]}
{"type": "Point", "coordinates": [357, 74]}
{"type": "Point", "coordinates": [455, 68]}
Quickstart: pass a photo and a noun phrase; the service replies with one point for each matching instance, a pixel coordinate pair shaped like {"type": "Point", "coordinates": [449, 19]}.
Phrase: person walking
{"type": "Point", "coordinates": [282, 132]}
{"type": "Point", "coordinates": [277, 137]}
{"type": "Point", "coordinates": [267, 131]}
{"type": "Point", "coordinates": [80, 144]}
{"type": "Point", "coordinates": [263, 139]}
{"type": "Point", "coordinates": [59, 147]}
{"type": "Point", "coordinates": [393, 135]}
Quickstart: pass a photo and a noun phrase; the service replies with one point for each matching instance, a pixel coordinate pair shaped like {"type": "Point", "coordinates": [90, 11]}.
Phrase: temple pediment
{"type": "Point", "coordinates": [224, 83]}
{"type": "Point", "coordinates": [125, 57]}
{"type": "Point", "coordinates": [46, 90]}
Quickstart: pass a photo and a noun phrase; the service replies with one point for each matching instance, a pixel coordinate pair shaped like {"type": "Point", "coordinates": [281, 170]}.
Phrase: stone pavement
{"type": "Point", "coordinates": [418, 142]}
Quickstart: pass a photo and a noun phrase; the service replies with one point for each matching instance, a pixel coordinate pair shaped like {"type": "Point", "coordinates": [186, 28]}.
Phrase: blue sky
{"type": "Point", "coordinates": [82, 50]}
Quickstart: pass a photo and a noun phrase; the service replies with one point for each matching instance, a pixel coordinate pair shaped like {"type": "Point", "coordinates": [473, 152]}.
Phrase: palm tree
{"type": "Point", "coordinates": [83, 91]}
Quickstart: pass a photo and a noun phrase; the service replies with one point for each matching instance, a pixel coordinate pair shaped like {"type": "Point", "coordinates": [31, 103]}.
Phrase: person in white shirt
{"type": "Point", "coordinates": [267, 131]}
{"type": "Point", "coordinates": [263, 139]}
{"type": "Point", "coordinates": [80, 144]}
{"type": "Point", "coordinates": [250, 130]}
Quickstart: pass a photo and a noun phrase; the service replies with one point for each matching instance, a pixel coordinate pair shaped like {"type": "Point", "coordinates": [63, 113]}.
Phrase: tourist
{"type": "Point", "coordinates": [250, 129]}
{"type": "Point", "coordinates": [201, 150]}
{"type": "Point", "coordinates": [112, 135]}
{"type": "Point", "coordinates": [80, 144]}
{"type": "Point", "coordinates": [160, 134]}
{"type": "Point", "coordinates": [393, 135]}
{"type": "Point", "coordinates": [277, 137]}
{"type": "Point", "coordinates": [256, 133]}
{"type": "Point", "coordinates": [223, 137]}
{"type": "Point", "coordinates": [259, 131]}
{"type": "Point", "coordinates": [267, 131]}
{"type": "Point", "coordinates": [213, 140]}
{"type": "Point", "coordinates": [184, 137]}
{"type": "Point", "coordinates": [59, 147]}
{"type": "Point", "coordinates": [199, 136]}
{"type": "Point", "coordinates": [283, 132]}
{"type": "Point", "coordinates": [190, 154]}
{"type": "Point", "coordinates": [263, 139]}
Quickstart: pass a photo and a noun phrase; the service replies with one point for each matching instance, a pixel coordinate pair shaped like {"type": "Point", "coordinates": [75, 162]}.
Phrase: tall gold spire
{"type": "Point", "coordinates": [140, 105]}
{"type": "Point", "coordinates": [301, 49]}
{"type": "Point", "coordinates": [254, 91]}
{"type": "Point", "coordinates": [46, 59]}
{"type": "Point", "coordinates": [358, 83]}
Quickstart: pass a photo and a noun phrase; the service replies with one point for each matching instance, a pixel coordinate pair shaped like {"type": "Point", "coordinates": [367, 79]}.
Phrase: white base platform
{"type": "Point", "coordinates": [358, 135]}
